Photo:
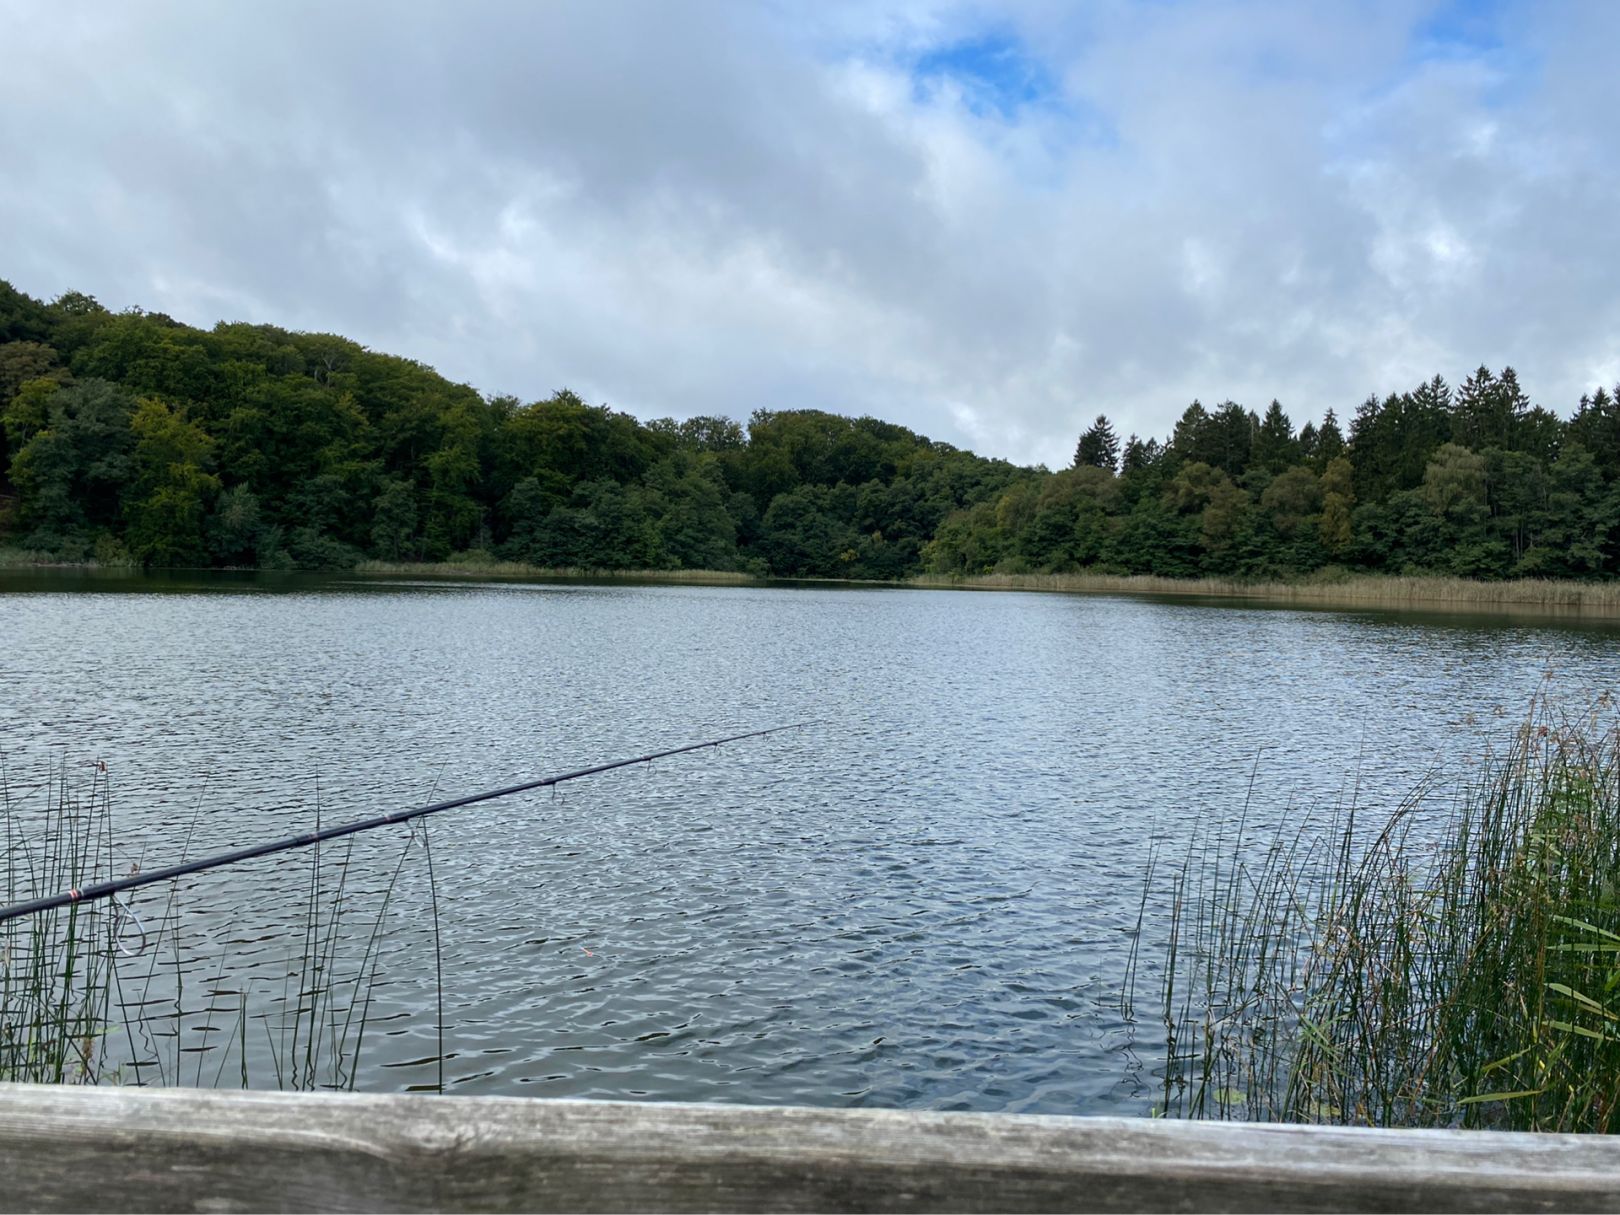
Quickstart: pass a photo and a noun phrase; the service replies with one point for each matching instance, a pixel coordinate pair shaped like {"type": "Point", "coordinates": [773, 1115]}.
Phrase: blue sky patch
{"type": "Point", "coordinates": [1464, 29]}
{"type": "Point", "coordinates": [1000, 79]}
{"type": "Point", "coordinates": [996, 74]}
{"type": "Point", "coordinates": [1477, 31]}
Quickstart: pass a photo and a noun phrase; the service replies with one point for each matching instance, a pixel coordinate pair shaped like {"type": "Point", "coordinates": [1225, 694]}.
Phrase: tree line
{"type": "Point", "coordinates": [1473, 481]}
{"type": "Point", "coordinates": [131, 437]}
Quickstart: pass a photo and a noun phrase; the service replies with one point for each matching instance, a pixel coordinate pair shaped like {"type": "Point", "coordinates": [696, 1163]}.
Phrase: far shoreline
{"type": "Point", "coordinates": [1428, 592]}
{"type": "Point", "coordinates": [1328, 591]}
{"type": "Point", "coordinates": [1425, 592]}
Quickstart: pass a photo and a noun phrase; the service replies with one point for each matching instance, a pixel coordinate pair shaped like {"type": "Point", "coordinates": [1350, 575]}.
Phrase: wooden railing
{"type": "Point", "coordinates": [119, 1149]}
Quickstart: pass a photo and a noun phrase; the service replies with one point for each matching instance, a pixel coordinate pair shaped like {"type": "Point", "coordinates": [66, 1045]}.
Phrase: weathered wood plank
{"type": "Point", "coordinates": [116, 1149]}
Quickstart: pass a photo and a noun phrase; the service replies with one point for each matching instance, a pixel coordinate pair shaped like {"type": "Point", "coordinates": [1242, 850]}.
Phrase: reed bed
{"type": "Point", "coordinates": [1595, 599]}
{"type": "Point", "coordinates": [105, 992]}
{"type": "Point", "coordinates": [103, 556]}
{"type": "Point", "coordinates": [55, 967]}
{"type": "Point", "coordinates": [24, 558]}
{"type": "Point", "coordinates": [1464, 972]}
{"type": "Point", "coordinates": [461, 568]}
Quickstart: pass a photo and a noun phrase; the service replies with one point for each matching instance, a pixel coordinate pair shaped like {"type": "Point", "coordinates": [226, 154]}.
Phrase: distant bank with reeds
{"type": "Point", "coordinates": [1428, 592]}
{"type": "Point", "coordinates": [13, 558]}
{"type": "Point", "coordinates": [491, 568]}
{"type": "Point", "coordinates": [1325, 589]}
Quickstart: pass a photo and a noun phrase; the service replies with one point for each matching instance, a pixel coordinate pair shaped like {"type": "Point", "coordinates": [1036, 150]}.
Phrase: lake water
{"type": "Point", "coordinates": [925, 899]}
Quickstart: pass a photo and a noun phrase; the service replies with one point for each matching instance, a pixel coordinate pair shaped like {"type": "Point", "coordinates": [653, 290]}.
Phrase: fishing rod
{"type": "Point", "coordinates": [103, 890]}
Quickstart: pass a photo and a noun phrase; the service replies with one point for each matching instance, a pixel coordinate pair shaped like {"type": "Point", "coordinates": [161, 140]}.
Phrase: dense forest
{"type": "Point", "coordinates": [131, 437]}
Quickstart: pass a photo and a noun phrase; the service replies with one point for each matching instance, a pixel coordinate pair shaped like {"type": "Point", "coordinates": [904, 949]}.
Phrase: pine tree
{"type": "Point", "coordinates": [1489, 410]}
{"type": "Point", "coordinates": [1191, 435]}
{"type": "Point", "coordinates": [1596, 427]}
{"type": "Point", "coordinates": [1232, 432]}
{"type": "Point", "coordinates": [1329, 440]}
{"type": "Point", "coordinates": [1138, 455]}
{"type": "Point", "coordinates": [1098, 447]}
{"type": "Point", "coordinates": [1307, 443]}
{"type": "Point", "coordinates": [1275, 447]}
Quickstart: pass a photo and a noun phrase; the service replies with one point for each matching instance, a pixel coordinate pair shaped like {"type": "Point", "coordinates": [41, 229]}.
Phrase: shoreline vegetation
{"type": "Point", "coordinates": [1455, 963]}
{"type": "Point", "coordinates": [1344, 590]}
{"type": "Point", "coordinates": [493, 568]}
{"type": "Point", "coordinates": [127, 438]}
{"type": "Point", "coordinates": [1327, 590]}
{"type": "Point", "coordinates": [1379, 591]}
{"type": "Point", "coordinates": [94, 993]}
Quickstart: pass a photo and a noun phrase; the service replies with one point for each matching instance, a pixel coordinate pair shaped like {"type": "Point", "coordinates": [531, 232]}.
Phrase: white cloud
{"type": "Point", "coordinates": [683, 209]}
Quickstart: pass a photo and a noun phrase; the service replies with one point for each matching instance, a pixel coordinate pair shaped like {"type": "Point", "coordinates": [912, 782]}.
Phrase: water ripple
{"type": "Point", "coordinates": [926, 900]}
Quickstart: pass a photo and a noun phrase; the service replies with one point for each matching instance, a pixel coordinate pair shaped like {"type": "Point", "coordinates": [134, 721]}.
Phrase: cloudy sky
{"type": "Point", "coordinates": [989, 223]}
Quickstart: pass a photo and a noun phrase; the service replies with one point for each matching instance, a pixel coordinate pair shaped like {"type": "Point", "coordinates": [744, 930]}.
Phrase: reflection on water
{"type": "Point", "coordinates": [925, 900]}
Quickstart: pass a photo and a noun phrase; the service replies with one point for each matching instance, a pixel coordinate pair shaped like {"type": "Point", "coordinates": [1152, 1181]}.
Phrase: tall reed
{"type": "Point", "coordinates": [1459, 969]}
{"type": "Point", "coordinates": [55, 967]}
{"type": "Point", "coordinates": [1329, 589]}
{"type": "Point", "coordinates": [95, 993]}
{"type": "Point", "coordinates": [484, 566]}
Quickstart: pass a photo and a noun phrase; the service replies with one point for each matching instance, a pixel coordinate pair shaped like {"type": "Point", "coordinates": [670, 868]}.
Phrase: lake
{"type": "Point", "coordinates": [925, 899]}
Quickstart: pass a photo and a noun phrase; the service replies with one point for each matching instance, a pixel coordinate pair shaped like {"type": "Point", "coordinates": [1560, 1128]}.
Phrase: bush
{"type": "Point", "coordinates": [311, 550]}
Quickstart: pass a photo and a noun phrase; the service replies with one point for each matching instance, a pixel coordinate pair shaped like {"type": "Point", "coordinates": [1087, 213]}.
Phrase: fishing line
{"type": "Point", "coordinates": [121, 908]}
{"type": "Point", "coordinates": [104, 890]}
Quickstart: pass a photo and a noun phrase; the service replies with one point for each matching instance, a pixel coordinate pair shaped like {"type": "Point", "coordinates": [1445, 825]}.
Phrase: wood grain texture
{"type": "Point", "coordinates": [112, 1149]}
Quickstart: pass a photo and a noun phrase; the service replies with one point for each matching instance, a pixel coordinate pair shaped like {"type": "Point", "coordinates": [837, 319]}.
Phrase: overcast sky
{"type": "Point", "coordinates": [989, 223]}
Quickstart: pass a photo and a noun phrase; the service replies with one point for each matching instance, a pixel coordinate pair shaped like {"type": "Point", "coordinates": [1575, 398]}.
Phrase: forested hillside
{"type": "Point", "coordinates": [129, 436]}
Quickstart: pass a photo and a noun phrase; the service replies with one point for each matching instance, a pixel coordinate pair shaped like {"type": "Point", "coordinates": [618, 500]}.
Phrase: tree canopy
{"type": "Point", "coordinates": [129, 436]}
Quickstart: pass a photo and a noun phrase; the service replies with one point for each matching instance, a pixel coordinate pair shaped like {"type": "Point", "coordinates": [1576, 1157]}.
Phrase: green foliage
{"type": "Point", "coordinates": [237, 533]}
{"type": "Point", "coordinates": [686, 498]}
{"type": "Point", "coordinates": [1223, 439]}
{"type": "Point", "coordinates": [1454, 483]}
{"type": "Point", "coordinates": [807, 533]}
{"type": "Point", "coordinates": [1275, 448]}
{"type": "Point", "coordinates": [393, 521]}
{"type": "Point", "coordinates": [72, 471]}
{"type": "Point", "coordinates": [1391, 441]}
{"type": "Point", "coordinates": [247, 445]}
{"type": "Point", "coordinates": [22, 319]}
{"type": "Point", "coordinates": [1098, 447]}
{"type": "Point", "coordinates": [22, 362]}
{"type": "Point", "coordinates": [27, 412]}
{"type": "Point", "coordinates": [169, 496]}
{"type": "Point", "coordinates": [1338, 496]}
{"type": "Point", "coordinates": [601, 526]}
{"type": "Point", "coordinates": [309, 548]}
{"type": "Point", "coordinates": [1435, 973]}
{"type": "Point", "coordinates": [1292, 499]}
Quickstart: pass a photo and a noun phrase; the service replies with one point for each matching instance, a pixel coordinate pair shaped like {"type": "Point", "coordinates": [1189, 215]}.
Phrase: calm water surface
{"type": "Point", "coordinates": [924, 900]}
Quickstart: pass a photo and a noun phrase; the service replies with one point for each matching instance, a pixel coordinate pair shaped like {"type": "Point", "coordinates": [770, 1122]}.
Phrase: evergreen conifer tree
{"type": "Point", "coordinates": [1329, 440]}
{"type": "Point", "coordinates": [1098, 447]}
{"type": "Point", "coordinates": [1275, 447]}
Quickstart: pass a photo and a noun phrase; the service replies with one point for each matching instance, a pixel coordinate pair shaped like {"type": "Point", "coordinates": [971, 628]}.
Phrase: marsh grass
{"type": "Point", "coordinates": [1329, 589]}
{"type": "Point", "coordinates": [113, 992]}
{"type": "Point", "coordinates": [318, 1037]}
{"type": "Point", "coordinates": [55, 966]}
{"type": "Point", "coordinates": [1464, 972]}
{"type": "Point", "coordinates": [471, 565]}
{"type": "Point", "coordinates": [105, 555]}
{"type": "Point", "coordinates": [22, 558]}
